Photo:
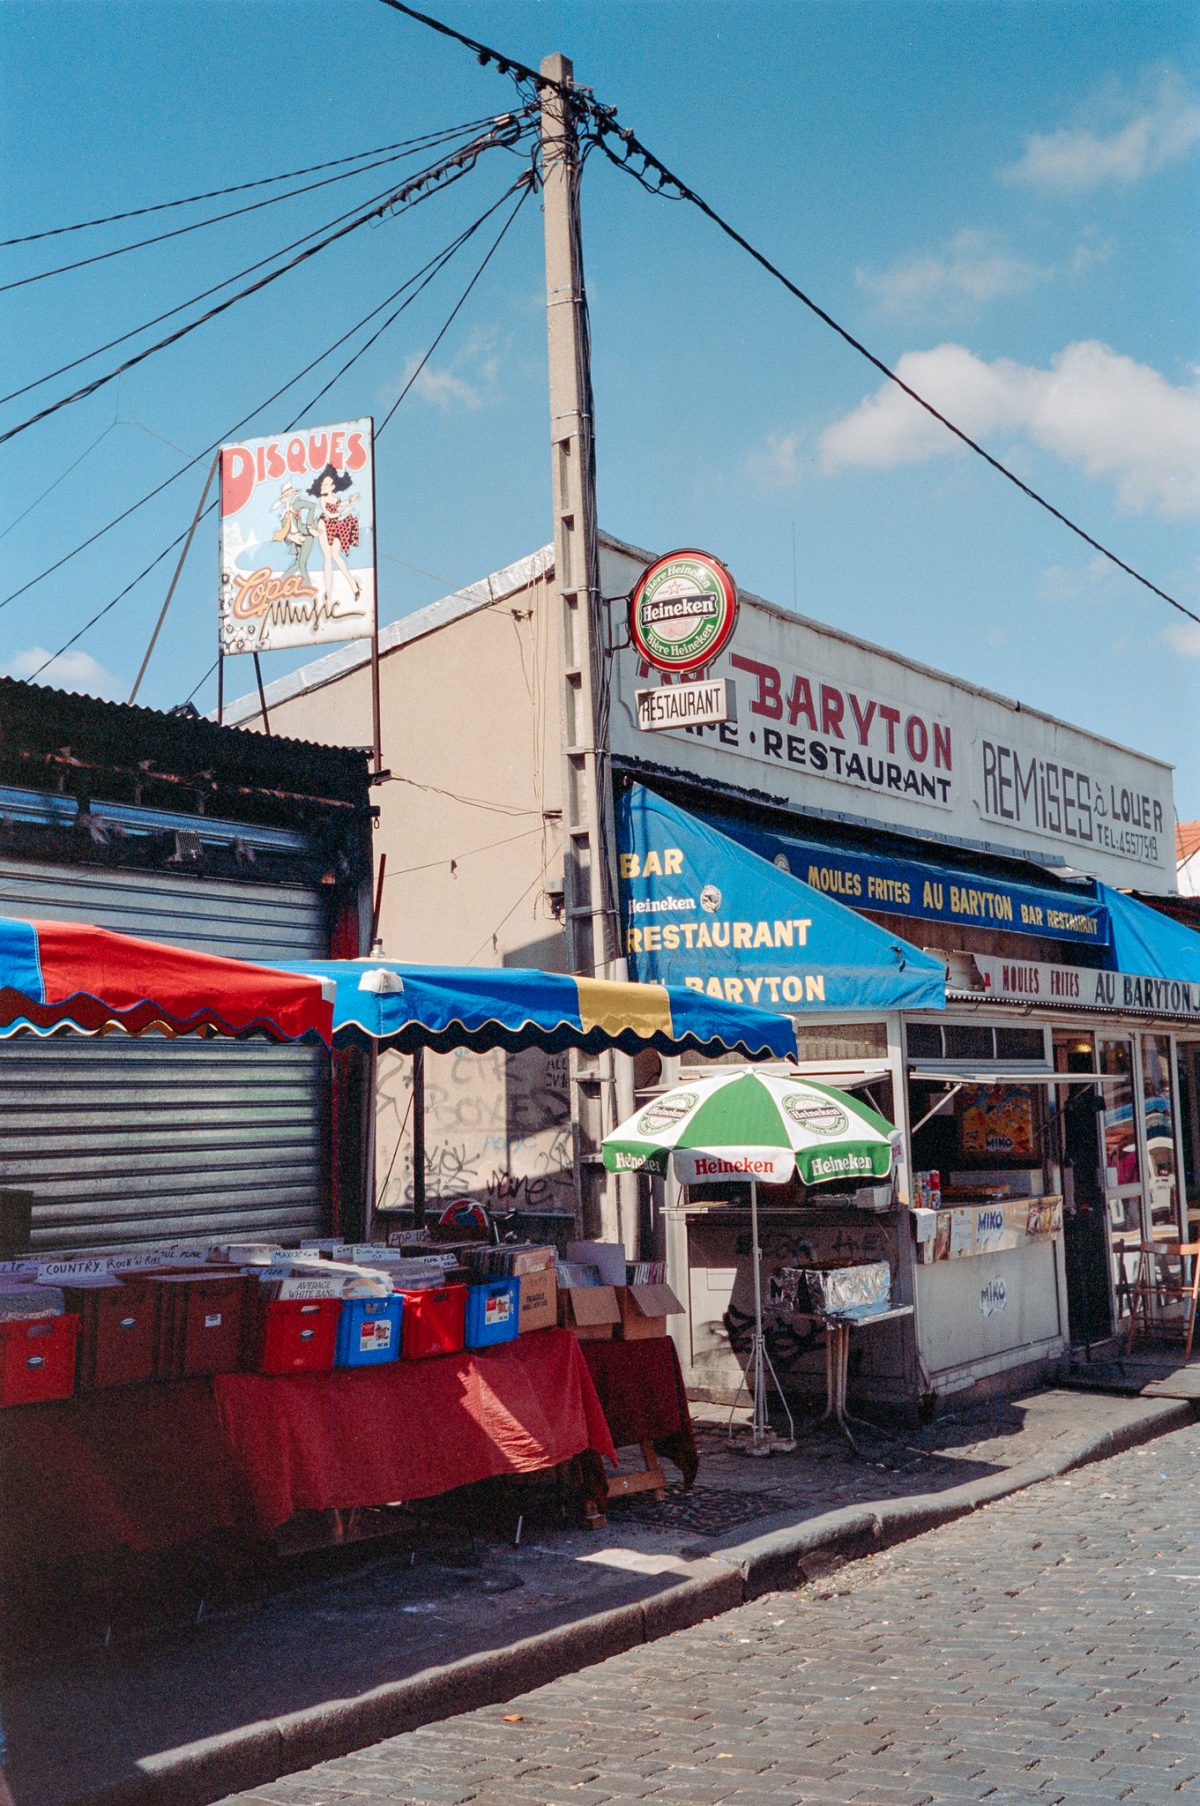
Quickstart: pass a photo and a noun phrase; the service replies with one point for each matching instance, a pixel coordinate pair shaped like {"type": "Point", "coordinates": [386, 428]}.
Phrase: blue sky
{"type": "Point", "coordinates": [999, 199]}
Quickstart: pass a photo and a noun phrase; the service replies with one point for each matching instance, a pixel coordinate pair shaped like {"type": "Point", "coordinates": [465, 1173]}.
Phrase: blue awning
{"type": "Point", "coordinates": [699, 909]}
{"type": "Point", "coordinates": [387, 1004]}
{"type": "Point", "coordinates": [1153, 960]}
{"type": "Point", "coordinates": [894, 884]}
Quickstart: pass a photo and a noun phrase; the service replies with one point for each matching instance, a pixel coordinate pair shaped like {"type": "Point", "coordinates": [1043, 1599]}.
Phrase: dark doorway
{"type": "Point", "coordinates": [1085, 1234]}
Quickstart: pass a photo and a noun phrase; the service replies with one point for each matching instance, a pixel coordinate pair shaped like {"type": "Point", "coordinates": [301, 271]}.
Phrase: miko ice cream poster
{"type": "Point", "coordinates": [298, 539]}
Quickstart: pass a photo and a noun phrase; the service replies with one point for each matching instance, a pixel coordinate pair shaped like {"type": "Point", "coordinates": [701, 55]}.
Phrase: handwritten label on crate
{"type": "Point", "coordinates": [89, 1267]}
{"type": "Point", "coordinates": [304, 1287]}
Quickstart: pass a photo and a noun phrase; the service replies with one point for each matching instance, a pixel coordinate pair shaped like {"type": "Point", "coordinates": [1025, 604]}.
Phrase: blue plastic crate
{"type": "Point", "coordinates": [493, 1311]}
{"type": "Point", "coordinates": [368, 1331]}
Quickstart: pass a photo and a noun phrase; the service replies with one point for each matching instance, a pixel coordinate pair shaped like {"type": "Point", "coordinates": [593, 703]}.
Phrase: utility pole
{"type": "Point", "coordinates": [601, 1088]}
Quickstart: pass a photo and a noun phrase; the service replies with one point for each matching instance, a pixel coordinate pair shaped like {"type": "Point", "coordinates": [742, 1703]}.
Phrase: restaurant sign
{"type": "Point", "coordinates": [827, 725]}
{"type": "Point", "coordinates": [682, 705]}
{"type": "Point", "coordinates": [1081, 987]}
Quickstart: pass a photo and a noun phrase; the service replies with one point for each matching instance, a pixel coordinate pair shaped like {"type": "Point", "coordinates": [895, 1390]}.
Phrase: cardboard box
{"type": "Point", "coordinates": [609, 1257]}
{"type": "Point", "coordinates": [539, 1300]}
{"type": "Point", "coordinates": [591, 1311]}
{"type": "Point", "coordinates": [644, 1311]}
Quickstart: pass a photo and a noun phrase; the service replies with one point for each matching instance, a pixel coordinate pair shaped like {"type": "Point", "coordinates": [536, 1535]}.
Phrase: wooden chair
{"type": "Point", "coordinates": [1155, 1286]}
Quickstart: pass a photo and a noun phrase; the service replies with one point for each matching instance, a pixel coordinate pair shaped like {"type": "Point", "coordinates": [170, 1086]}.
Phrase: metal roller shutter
{"type": "Point", "coordinates": [129, 1143]}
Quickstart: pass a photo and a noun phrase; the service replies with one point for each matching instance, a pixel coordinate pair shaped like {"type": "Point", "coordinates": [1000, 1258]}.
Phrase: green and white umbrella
{"type": "Point", "coordinates": [763, 1128]}
{"type": "Point", "coordinates": [757, 1126]}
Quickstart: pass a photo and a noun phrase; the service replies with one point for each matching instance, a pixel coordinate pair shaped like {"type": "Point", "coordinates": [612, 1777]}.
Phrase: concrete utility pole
{"type": "Point", "coordinates": [601, 1087]}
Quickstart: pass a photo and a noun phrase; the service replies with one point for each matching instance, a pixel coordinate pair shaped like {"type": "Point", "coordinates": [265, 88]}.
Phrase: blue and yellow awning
{"type": "Point", "coordinates": [387, 1004]}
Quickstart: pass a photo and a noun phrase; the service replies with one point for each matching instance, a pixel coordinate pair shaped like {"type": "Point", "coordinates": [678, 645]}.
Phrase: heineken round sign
{"type": "Point", "coordinates": [683, 611]}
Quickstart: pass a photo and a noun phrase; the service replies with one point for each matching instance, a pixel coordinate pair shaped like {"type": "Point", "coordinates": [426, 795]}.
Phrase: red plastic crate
{"type": "Point", "coordinates": [201, 1322]}
{"type": "Point", "coordinates": [37, 1359]}
{"type": "Point", "coordinates": [434, 1322]}
{"type": "Point", "coordinates": [119, 1333]}
{"type": "Point", "coordinates": [293, 1335]}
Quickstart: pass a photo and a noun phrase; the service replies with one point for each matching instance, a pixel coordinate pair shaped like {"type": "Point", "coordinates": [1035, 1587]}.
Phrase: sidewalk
{"type": "Point", "coordinates": [381, 1639]}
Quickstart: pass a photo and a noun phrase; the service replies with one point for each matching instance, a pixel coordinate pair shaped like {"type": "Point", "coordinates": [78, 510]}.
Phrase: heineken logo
{"type": "Point", "coordinates": [820, 1116]}
{"type": "Point", "coordinates": [666, 1112]}
{"type": "Point", "coordinates": [683, 611]}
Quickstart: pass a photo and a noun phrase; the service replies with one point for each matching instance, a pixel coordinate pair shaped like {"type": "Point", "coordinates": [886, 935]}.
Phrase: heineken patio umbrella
{"type": "Point", "coordinates": [763, 1127]}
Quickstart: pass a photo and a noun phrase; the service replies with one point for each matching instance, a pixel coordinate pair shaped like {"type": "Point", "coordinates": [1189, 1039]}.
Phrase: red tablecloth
{"type": "Point", "coordinates": [151, 1467]}
{"type": "Point", "coordinates": [642, 1392]}
{"type": "Point", "coordinates": [378, 1435]}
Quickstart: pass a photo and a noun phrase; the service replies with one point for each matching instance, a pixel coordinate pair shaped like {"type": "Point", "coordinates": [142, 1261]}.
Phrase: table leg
{"type": "Point", "coordinates": [830, 1375]}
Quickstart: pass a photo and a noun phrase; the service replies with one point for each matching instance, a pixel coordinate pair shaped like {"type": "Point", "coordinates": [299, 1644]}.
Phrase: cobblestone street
{"type": "Point", "coordinates": [1045, 1650]}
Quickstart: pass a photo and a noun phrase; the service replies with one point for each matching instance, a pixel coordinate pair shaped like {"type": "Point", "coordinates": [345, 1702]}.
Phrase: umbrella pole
{"type": "Point", "coordinates": [760, 1360]}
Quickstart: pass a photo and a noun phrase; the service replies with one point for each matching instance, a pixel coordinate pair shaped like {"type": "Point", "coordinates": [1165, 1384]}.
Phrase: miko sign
{"type": "Point", "coordinates": [683, 611]}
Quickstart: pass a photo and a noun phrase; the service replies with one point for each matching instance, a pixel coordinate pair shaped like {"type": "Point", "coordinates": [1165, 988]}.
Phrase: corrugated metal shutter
{"type": "Point", "coordinates": [127, 1143]}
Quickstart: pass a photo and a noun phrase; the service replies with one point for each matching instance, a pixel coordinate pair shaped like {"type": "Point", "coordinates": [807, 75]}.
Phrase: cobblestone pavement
{"type": "Point", "coordinates": [1045, 1650]}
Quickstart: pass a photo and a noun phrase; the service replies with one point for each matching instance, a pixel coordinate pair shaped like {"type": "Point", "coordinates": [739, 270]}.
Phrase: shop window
{"type": "Point", "coordinates": [1020, 1044]}
{"type": "Point", "coordinates": [842, 1041]}
{"type": "Point", "coordinates": [967, 1041]}
{"type": "Point", "coordinates": [924, 1041]}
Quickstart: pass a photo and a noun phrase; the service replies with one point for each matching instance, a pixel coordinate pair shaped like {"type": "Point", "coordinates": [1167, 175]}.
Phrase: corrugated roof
{"type": "Point", "coordinates": [38, 721]}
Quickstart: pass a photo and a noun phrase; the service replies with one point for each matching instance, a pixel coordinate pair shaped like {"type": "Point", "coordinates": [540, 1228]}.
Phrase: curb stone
{"type": "Point", "coordinates": [258, 1754]}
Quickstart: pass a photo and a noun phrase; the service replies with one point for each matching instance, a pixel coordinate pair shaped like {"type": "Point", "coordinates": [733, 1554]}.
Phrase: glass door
{"type": "Point", "coordinates": [1188, 1075]}
{"type": "Point", "coordinates": [1122, 1164]}
{"type": "Point", "coordinates": [1159, 1116]}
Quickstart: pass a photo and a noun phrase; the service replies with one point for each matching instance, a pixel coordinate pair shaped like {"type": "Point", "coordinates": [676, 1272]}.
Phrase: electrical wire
{"type": "Point", "coordinates": [526, 189]}
{"type": "Point", "coordinates": [470, 802]}
{"type": "Point", "coordinates": [203, 295]}
{"type": "Point", "coordinates": [506, 65]}
{"type": "Point", "coordinates": [634, 148]}
{"type": "Point", "coordinates": [430, 865]}
{"type": "Point", "coordinates": [199, 685]}
{"type": "Point", "coordinates": [452, 169]}
{"type": "Point", "coordinates": [604, 118]}
{"type": "Point", "coordinates": [433, 264]}
{"type": "Point", "coordinates": [525, 184]}
{"type": "Point", "coordinates": [215, 219]}
{"type": "Point", "coordinates": [425, 140]}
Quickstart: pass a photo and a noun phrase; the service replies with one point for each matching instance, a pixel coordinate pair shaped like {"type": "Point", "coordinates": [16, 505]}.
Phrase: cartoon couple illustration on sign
{"type": "Point", "coordinates": [305, 523]}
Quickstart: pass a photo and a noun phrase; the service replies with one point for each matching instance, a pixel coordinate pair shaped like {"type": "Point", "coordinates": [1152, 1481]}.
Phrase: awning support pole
{"type": "Point", "coordinates": [418, 1136]}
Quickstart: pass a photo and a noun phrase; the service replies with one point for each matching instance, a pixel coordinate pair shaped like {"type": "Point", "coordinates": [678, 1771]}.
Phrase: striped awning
{"type": "Point", "coordinates": [71, 975]}
{"type": "Point", "coordinates": [388, 1004]}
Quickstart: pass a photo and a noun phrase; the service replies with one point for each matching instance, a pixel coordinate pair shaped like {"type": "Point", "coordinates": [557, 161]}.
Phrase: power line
{"type": "Point", "coordinates": [424, 140]}
{"type": "Point", "coordinates": [633, 148]}
{"type": "Point", "coordinates": [452, 169]}
{"type": "Point", "coordinates": [604, 118]}
{"type": "Point", "coordinates": [526, 189]}
{"type": "Point", "coordinates": [433, 264]}
{"type": "Point", "coordinates": [214, 289]}
{"type": "Point", "coordinates": [506, 65]}
{"type": "Point", "coordinates": [215, 219]}
{"type": "Point", "coordinates": [525, 184]}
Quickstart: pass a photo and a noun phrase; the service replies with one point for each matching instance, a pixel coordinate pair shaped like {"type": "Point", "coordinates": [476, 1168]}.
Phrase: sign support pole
{"type": "Point", "coordinates": [187, 546]}
{"type": "Point", "coordinates": [262, 696]}
{"type": "Point", "coordinates": [376, 727]}
{"type": "Point", "coordinates": [601, 1085]}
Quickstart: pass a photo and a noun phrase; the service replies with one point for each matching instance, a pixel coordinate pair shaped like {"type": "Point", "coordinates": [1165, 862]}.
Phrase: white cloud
{"type": "Point", "coordinates": [971, 268]}
{"type": "Point", "coordinates": [69, 671]}
{"type": "Point", "coordinates": [1185, 638]}
{"type": "Point", "coordinates": [470, 381]}
{"type": "Point", "coordinates": [1126, 137]}
{"type": "Point", "coordinates": [1114, 419]}
{"type": "Point", "coordinates": [778, 463]}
